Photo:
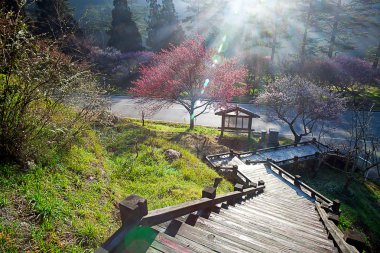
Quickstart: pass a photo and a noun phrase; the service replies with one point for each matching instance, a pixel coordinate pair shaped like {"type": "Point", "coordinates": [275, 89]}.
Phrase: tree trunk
{"type": "Point", "coordinates": [191, 122]}
{"type": "Point", "coordinates": [335, 29]}
{"type": "Point", "coordinates": [304, 40]}
{"type": "Point", "coordinates": [376, 61]}
{"type": "Point", "coordinates": [297, 137]}
{"type": "Point", "coordinates": [192, 114]}
{"type": "Point", "coordinates": [274, 42]}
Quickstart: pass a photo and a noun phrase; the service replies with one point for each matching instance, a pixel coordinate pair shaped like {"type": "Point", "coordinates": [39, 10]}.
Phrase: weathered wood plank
{"type": "Point", "coordinates": [234, 236]}
{"type": "Point", "coordinates": [271, 224]}
{"type": "Point", "coordinates": [209, 240]}
{"type": "Point", "coordinates": [299, 240]}
{"type": "Point", "coordinates": [281, 205]}
{"type": "Point", "coordinates": [268, 240]}
{"type": "Point", "coordinates": [169, 247]}
{"type": "Point", "coordinates": [194, 246]}
{"type": "Point", "coordinates": [333, 231]}
{"type": "Point", "coordinates": [267, 214]}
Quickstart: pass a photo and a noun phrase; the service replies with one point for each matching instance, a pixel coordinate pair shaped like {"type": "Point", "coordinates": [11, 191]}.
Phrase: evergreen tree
{"type": "Point", "coordinates": [124, 34]}
{"type": "Point", "coordinates": [340, 21]}
{"type": "Point", "coordinates": [309, 41]}
{"type": "Point", "coordinates": [153, 22]}
{"type": "Point", "coordinates": [164, 27]}
{"type": "Point", "coordinates": [54, 18]}
{"type": "Point", "coordinates": [277, 29]}
{"type": "Point", "coordinates": [376, 58]}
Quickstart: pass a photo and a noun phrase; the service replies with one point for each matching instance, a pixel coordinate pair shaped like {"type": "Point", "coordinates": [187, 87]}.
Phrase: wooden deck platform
{"type": "Point", "coordinates": [280, 155]}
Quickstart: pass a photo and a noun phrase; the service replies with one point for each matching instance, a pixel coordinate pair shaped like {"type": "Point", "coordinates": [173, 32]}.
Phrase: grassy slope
{"type": "Point", "coordinates": [360, 205]}
{"type": "Point", "coordinates": [69, 205]}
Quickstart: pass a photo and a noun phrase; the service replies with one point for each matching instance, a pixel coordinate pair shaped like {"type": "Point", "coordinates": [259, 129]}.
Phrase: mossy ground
{"type": "Point", "coordinates": [70, 203]}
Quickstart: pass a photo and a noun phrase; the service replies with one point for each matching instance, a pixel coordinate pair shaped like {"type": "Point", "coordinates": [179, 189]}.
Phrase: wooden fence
{"type": "Point", "coordinates": [134, 211]}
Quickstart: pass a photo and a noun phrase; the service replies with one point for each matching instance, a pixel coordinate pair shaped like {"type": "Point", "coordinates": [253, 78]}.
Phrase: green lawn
{"type": "Point", "coordinates": [360, 205]}
{"type": "Point", "coordinates": [69, 204]}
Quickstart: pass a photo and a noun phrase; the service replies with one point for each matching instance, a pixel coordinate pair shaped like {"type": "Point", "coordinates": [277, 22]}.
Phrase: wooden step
{"type": "Point", "coordinates": [272, 223]}
{"type": "Point", "coordinates": [276, 206]}
{"type": "Point", "coordinates": [192, 245]}
{"type": "Point", "coordinates": [264, 239]}
{"type": "Point", "coordinates": [236, 236]}
{"type": "Point", "coordinates": [268, 214]}
{"type": "Point", "coordinates": [284, 232]}
{"type": "Point", "coordinates": [207, 239]}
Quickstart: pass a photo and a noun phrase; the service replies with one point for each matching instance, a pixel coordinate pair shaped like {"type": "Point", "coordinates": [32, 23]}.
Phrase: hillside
{"type": "Point", "coordinates": [69, 204]}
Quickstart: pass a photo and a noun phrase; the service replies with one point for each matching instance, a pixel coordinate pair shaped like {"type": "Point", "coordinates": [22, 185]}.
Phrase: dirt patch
{"type": "Point", "coordinates": [199, 144]}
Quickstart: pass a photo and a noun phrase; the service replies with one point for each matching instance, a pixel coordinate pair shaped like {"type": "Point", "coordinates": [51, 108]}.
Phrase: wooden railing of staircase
{"type": "Point", "coordinates": [134, 211]}
{"type": "Point", "coordinates": [332, 230]}
{"type": "Point", "coordinates": [249, 153]}
{"type": "Point", "coordinates": [234, 169]}
{"type": "Point", "coordinates": [296, 181]}
{"type": "Point", "coordinates": [334, 233]}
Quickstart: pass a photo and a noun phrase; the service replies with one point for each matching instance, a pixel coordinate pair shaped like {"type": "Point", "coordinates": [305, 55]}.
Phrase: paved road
{"type": "Point", "coordinates": [127, 107]}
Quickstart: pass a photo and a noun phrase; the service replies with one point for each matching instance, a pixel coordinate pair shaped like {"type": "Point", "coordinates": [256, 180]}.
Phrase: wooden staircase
{"type": "Point", "coordinates": [282, 218]}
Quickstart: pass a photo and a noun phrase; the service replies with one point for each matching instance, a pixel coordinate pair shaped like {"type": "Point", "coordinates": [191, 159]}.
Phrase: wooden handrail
{"type": "Point", "coordinates": [333, 231]}
{"type": "Point", "coordinates": [246, 179]}
{"type": "Point", "coordinates": [278, 147]}
{"type": "Point", "coordinates": [300, 183]}
{"type": "Point", "coordinates": [155, 217]}
{"type": "Point", "coordinates": [172, 212]}
{"type": "Point", "coordinates": [210, 157]}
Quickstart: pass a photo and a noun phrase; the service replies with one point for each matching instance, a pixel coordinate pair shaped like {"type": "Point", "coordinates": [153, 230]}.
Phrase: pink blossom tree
{"type": "Point", "coordinates": [192, 76]}
{"type": "Point", "coordinates": [296, 100]}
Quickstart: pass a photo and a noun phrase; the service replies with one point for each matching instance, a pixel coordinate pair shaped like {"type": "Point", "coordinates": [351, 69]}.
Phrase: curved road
{"type": "Point", "coordinates": [123, 106]}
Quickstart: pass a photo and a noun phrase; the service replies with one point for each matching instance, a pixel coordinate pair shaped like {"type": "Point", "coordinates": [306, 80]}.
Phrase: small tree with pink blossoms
{"type": "Point", "coordinates": [295, 100]}
{"type": "Point", "coordinates": [192, 76]}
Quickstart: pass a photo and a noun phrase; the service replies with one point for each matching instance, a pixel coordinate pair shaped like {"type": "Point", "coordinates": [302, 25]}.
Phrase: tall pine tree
{"type": "Point", "coordinates": [54, 18]}
{"type": "Point", "coordinates": [340, 22]}
{"type": "Point", "coordinates": [153, 23]}
{"type": "Point", "coordinates": [164, 27]}
{"type": "Point", "coordinates": [124, 34]}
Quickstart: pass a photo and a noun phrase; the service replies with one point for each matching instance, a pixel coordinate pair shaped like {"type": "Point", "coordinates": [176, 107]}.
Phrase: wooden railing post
{"type": "Point", "coordinates": [355, 239]}
{"type": "Point", "coordinates": [232, 153]}
{"type": "Point", "coordinates": [217, 182]}
{"type": "Point", "coordinates": [235, 169]}
{"type": "Point", "coordinates": [261, 183]}
{"type": "Point", "coordinates": [296, 162]}
{"type": "Point", "coordinates": [238, 187]}
{"type": "Point", "coordinates": [269, 160]}
{"type": "Point", "coordinates": [210, 193]}
{"type": "Point", "coordinates": [297, 182]}
{"type": "Point", "coordinates": [132, 209]}
{"type": "Point", "coordinates": [336, 206]}
{"type": "Point", "coordinates": [251, 185]}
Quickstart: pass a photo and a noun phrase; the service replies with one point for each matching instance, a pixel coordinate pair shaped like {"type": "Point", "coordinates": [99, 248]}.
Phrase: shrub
{"type": "Point", "coordinates": [44, 96]}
